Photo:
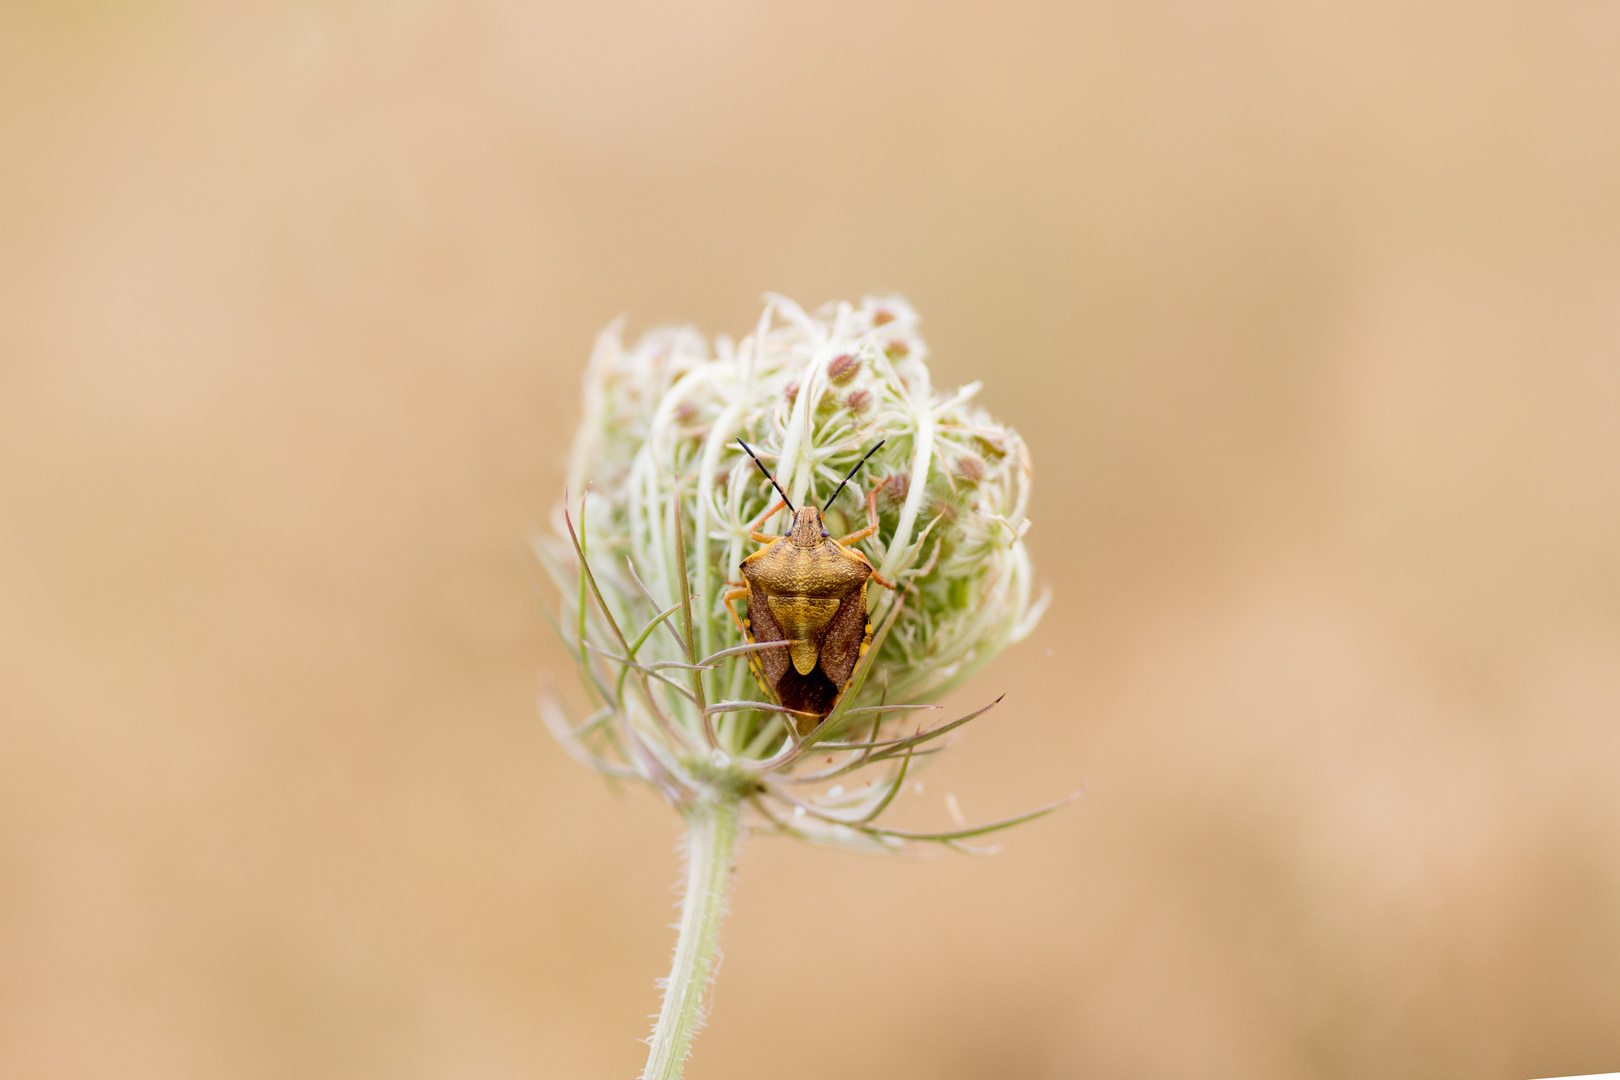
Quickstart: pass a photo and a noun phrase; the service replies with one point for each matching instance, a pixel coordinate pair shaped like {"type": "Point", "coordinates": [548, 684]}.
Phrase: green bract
{"type": "Point", "coordinates": [662, 500]}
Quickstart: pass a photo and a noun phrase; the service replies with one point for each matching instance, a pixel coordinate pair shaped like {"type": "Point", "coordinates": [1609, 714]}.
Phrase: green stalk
{"type": "Point", "coordinates": [711, 843]}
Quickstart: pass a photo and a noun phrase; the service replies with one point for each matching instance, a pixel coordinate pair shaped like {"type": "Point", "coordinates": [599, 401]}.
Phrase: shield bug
{"type": "Point", "coordinates": [808, 589]}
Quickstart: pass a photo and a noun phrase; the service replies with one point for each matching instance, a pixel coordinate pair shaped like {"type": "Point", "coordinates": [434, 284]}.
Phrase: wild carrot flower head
{"type": "Point", "coordinates": [661, 503]}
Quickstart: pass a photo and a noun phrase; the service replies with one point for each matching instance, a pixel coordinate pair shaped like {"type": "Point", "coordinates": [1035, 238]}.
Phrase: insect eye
{"type": "Point", "coordinates": [825, 534]}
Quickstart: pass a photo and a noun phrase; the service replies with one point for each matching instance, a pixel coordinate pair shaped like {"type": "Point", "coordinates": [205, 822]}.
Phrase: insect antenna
{"type": "Point", "coordinates": [771, 478]}
{"type": "Point", "coordinates": [852, 473]}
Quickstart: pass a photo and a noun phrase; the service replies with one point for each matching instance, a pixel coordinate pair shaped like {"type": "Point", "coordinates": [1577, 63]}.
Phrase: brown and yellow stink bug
{"type": "Point", "coordinates": [809, 590]}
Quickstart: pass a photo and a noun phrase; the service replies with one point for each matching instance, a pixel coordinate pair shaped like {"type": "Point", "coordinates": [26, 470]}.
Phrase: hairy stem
{"type": "Point", "coordinates": [711, 843]}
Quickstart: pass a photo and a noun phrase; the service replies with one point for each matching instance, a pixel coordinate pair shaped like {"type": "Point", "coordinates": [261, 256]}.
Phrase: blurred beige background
{"type": "Point", "coordinates": [1311, 314]}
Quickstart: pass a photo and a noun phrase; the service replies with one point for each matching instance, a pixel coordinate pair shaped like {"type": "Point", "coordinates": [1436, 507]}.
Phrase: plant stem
{"type": "Point", "coordinates": [711, 843]}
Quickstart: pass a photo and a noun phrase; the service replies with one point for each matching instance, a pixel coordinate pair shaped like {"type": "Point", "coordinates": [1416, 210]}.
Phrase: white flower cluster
{"type": "Point", "coordinates": [663, 500]}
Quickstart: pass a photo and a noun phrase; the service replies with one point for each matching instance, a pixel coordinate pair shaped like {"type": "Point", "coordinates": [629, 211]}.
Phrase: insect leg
{"type": "Point", "coordinates": [737, 594]}
{"type": "Point", "coordinates": [871, 518]}
{"type": "Point", "coordinates": [754, 532]}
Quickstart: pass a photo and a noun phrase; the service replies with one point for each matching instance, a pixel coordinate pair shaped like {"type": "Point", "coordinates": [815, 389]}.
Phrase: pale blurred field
{"type": "Point", "coordinates": [1310, 313]}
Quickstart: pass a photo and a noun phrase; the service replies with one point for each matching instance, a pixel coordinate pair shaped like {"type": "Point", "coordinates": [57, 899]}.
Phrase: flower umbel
{"type": "Point", "coordinates": [664, 500]}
